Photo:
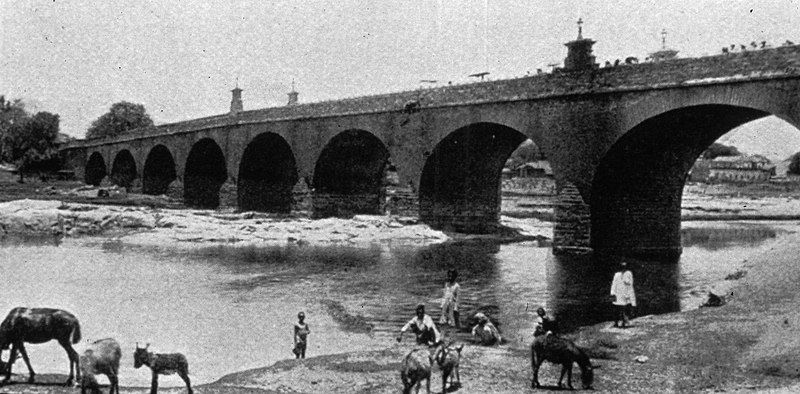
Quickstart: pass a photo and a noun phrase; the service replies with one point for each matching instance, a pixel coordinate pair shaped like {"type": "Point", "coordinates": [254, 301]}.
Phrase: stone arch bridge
{"type": "Point", "coordinates": [620, 140]}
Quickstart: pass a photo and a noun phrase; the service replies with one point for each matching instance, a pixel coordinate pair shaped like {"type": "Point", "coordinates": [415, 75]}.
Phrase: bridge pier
{"type": "Point", "coordinates": [573, 223]}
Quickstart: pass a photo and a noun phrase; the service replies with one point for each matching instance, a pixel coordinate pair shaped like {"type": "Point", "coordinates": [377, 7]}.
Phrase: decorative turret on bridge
{"type": "Point", "coordinates": [579, 53]}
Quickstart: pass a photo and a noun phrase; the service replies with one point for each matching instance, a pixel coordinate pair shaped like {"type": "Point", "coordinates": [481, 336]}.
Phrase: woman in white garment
{"type": "Point", "coordinates": [624, 295]}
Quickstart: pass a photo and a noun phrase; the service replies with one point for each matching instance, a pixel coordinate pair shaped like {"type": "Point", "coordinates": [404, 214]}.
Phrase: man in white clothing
{"type": "Point", "coordinates": [422, 325]}
{"type": "Point", "coordinates": [623, 293]}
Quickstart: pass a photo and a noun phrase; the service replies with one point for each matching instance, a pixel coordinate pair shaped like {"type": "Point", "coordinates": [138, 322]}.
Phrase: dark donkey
{"type": "Point", "coordinates": [39, 325]}
{"type": "Point", "coordinates": [162, 364]}
{"type": "Point", "coordinates": [560, 351]}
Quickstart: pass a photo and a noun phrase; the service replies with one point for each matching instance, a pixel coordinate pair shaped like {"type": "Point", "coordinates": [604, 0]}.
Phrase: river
{"type": "Point", "coordinates": [232, 308]}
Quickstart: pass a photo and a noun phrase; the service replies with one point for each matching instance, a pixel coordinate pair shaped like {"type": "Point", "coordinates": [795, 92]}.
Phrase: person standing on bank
{"type": "Point", "coordinates": [624, 295]}
{"type": "Point", "coordinates": [301, 331]}
{"type": "Point", "coordinates": [423, 327]}
{"type": "Point", "coordinates": [450, 301]}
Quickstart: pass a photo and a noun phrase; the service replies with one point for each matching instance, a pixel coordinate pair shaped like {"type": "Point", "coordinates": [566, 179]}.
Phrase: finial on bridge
{"type": "Point", "coordinates": [580, 28]}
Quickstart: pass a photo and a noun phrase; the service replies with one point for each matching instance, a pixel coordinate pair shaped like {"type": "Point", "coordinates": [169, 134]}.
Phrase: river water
{"type": "Point", "coordinates": [232, 308]}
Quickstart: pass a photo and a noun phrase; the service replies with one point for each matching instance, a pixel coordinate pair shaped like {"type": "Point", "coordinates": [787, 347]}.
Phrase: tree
{"type": "Point", "coordinates": [526, 152]}
{"type": "Point", "coordinates": [717, 149]}
{"type": "Point", "coordinates": [122, 116]}
{"type": "Point", "coordinates": [794, 164]}
{"type": "Point", "coordinates": [11, 113]}
{"type": "Point", "coordinates": [32, 144]}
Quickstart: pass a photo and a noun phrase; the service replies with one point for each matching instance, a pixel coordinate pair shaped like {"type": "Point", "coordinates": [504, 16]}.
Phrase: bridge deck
{"type": "Point", "coordinates": [773, 63]}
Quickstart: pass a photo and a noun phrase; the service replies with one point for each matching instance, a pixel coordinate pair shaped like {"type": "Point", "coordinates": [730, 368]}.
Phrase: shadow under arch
{"type": "Point", "coordinates": [460, 183]}
{"type": "Point", "coordinates": [205, 173]}
{"type": "Point", "coordinates": [638, 186]}
{"type": "Point", "coordinates": [95, 169]}
{"type": "Point", "coordinates": [267, 175]}
{"type": "Point", "coordinates": [349, 175]}
{"type": "Point", "coordinates": [123, 170]}
{"type": "Point", "coordinates": [159, 171]}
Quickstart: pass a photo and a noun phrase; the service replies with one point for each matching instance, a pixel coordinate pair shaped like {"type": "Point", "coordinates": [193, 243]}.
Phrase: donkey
{"type": "Point", "coordinates": [448, 358]}
{"type": "Point", "coordinates": [416, 368]}
{"type": "Point", "coordinates": [39, 325]}
{"type": "Point", "coordinates": [560, 351]}
{"type": "Point", "coordinates": [162, 364]}
{"type": "Point", "coordinates": [101, 357]}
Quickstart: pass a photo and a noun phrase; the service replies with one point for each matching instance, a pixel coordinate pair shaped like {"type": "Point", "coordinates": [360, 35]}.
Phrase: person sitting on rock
{"type": "Point", "coordinates": [485, 333]}
{"type": "Point", "coordinates": [423, 327]}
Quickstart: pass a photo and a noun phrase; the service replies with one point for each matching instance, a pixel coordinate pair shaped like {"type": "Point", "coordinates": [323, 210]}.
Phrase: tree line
{"type": "Point", "coordinates": [28, 140]}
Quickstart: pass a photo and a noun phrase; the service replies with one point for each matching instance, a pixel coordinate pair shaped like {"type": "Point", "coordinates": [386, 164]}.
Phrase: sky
{"type": "Point", "coordinates": [181, 58]}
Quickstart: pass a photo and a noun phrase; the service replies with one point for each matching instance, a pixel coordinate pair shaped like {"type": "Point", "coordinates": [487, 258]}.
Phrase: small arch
{"type": "Point", "coordinates": [123, 170]}
{"type": "Point", "coordinates": [95, 169]}
{"type": "Point", "coordinates": [159, 171]}
{"type": "Point", "coordinates": [349, 174]}
{"type": "Point", "coordinates": [205, 173]}
{"type": "Point", "coordinates": [267, 174]}
{"type": "Point", "coordinates": [460, 182]}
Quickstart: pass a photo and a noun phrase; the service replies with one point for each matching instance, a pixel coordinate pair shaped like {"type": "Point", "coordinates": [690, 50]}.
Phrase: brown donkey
{"type": "Point", "coordinates": [39, 325]}
{"type": "Point", "coordinates": [162, 364]}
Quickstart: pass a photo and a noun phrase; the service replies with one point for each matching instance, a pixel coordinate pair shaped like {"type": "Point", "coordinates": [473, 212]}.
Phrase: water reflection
{"type": "Point", "coordinates": [725, 237]}
{"type": "Point", "coordinates": [579, 287]}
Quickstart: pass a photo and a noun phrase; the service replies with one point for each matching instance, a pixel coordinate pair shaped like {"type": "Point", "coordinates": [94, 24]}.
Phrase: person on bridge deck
{"type": "Point", "coordinates": [423, 327]}
{"type": "Point", "coordinates": [544, 324]}
{"type": "Point", "coordinates": [485, 333]}
{"type": "Point", "coordinates": [624, 295]}
{"type": "Point", "coordinates": [450, 301]}
{"type": "Point", "coordinates": [301, 331]}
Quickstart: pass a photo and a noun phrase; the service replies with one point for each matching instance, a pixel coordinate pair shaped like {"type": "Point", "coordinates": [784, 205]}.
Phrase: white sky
{"type": "Point", "coordinates": [181, 58]}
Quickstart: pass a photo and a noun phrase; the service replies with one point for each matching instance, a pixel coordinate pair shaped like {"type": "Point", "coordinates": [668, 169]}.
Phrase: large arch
{"type": "Point", "coordinates": [204, 175]}
{"type": "Point", "coordinates": [638, 185]}
{"type": "Point", "coordinates": [348, 176]}
{"type": "Point", "coordinates": [460, 183]}
{"type": "Point", "coordinates": [123, 170]}
{"type": "Point", "coordinates": [95, 169]}
{"type": "Point", "coordinates": [267, 174]}
{"type": "Point", "coordinates": [159, 171]}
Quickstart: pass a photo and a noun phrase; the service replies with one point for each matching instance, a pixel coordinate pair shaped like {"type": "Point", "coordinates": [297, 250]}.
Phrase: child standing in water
{"type": "Point", "coordinates": [450, 301]}
{"type": "Point", "coordinates": [301, 332]}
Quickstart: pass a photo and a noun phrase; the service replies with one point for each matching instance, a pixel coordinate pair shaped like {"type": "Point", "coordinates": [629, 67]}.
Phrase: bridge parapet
{"type": "Point", "coordinates": [774, 63]}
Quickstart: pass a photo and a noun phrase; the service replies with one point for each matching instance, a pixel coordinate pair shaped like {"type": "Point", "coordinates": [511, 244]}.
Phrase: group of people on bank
{"type": "Point", "coordinates": [485, 332]}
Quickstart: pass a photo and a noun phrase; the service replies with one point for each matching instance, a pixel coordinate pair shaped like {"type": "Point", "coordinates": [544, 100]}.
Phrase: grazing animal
{"type": "Point", "coordinates": [162, 364]}
{"type": "Point", "coordinates": [733, 47]}
{"type": "Point", "coordinates": [101, 357]}
{"type": "Point", "coordinates": [724, 50]}
{"type": "Point", "coordinates": [608, 64]}
{"type": "Point", "coordinates": [631, 60]}
{"type": "Point", "coordinates": [448, 358]}
{"type": "Point", "coordinates": [39, 325]}
{"type": "Point", "coordinates": [753, 44]}
{"type": "Point", "coordinates": [416, 368]}
{"type": "Point", "coordinates": [764, 44]}
{"type": "Point", "coordinates": [616, 62]}
{"type": "Point", "coordinates": [744, 47]}
{"type": "Point", "coordinates": [562, 351]}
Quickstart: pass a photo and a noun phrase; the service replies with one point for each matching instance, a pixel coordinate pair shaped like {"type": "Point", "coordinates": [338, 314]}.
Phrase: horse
{"type": "Point", "coordinates": [416, 368]}
{"type": "Point", "coordinates": [162, 364]}
{"type": "Point", "coordinates": [560, 351]}
{"type": "Point", "coordinates": [39, 325]}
